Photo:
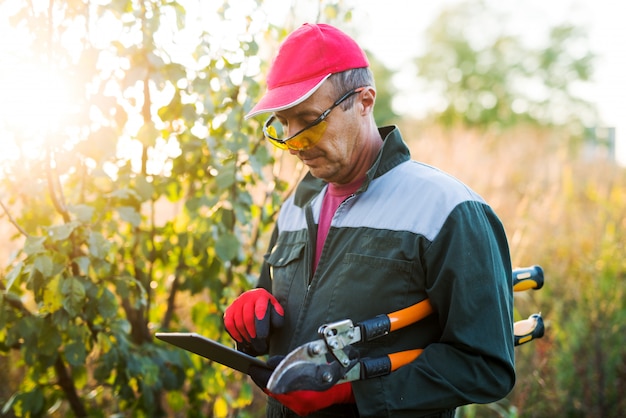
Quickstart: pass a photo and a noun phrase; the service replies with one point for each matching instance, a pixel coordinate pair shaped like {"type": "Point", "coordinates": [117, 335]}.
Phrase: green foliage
{"type": "Point", "coordinates": [490, 78]}
{"type": "Point", "coordinates": [146, 210]}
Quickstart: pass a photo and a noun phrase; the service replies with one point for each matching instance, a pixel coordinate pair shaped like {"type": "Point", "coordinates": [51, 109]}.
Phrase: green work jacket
{"type": "Point", "coordinates": [409, 233]}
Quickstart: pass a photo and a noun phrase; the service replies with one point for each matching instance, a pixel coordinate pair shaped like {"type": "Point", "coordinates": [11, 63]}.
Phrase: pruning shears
{"type": "Point", "coordinates": [332, 359]}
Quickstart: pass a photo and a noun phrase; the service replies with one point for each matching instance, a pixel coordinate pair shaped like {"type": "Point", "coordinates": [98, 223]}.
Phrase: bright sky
{"type": "Point", "coordinates": [393, 29]}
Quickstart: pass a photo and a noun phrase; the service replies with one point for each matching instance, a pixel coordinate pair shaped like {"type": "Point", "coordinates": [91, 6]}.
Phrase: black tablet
{"type": "Point", "coordinates": [212, 350]}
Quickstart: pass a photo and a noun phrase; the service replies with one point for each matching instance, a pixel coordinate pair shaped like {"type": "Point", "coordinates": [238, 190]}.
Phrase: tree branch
{"type": "Point", "coordinates": [171, 299]}
{"type": "Point", "coordinates": [67, 384]}
{"type": "Point", "coordinates": [12, 220]}
{"type": "Point", "coordinates": [53, 184]}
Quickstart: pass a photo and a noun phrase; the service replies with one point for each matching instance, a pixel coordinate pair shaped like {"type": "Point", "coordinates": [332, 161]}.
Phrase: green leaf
{"type": "Point", "coordinates": [35, 280]}
{"type": "Point", "coordinates": [173, 191]}
{"type": "Point", "coordinates": [148, 134]}
{"type": "Point", "coordinates": [32, 402]}
{"type": "Point", "coordinates": [226, 176]}
{"type": "Point", "coordinates": [130, 288]}
{"type": "Point", "coordinates": [34, 245]}
{"type": "Point", "coordinates": [49, 340]}
{"type": "Point", "coordinates": [75, 353]}
{"type": "Point", "coordinates": [104, 342]}
{"type": "Point", "coordinates": [227, 217]}
{"type": "Point", "coordinates": [13, 275]}
{"type": "Point", "coordinates": [83, 263]}
{"type": "Point", "coordinates": [150, 371]}
{"type": "Point", "coordinates": [98, 246]}
{"type": "Point", "coordinates": [81, 378]}
{"type": "Point", "coordinates": [74, 295]}
{"type": "Point", "coordinates": [61, 232]}
{"type": "Point", "coordinates": [176, 400]}
{"type": "Point", "coordinates": [144, 189]}
{"type": "Point", "coordinates": [52, 295]}
{"type": "Point", "coordinates": [43, 264]}
{"type": "Point", "coordinates": [83, 213]}
{"type": "Point", "coordinates": [227, 247]}
{"type": "Point", "coordinates": [260, 159]}
{"type": "Point", "coordinates": [107, 304]}
{"type": "Point", "coordinates": [130, 215]}
{"type": "Point", "coordinates": [120, 326]}
{"type": "Point", "coordinates": [61, 319]}
{"type": "Point", "coordinates": [28, 328]}
{"type": "Point", "coordinates": [125, 194]}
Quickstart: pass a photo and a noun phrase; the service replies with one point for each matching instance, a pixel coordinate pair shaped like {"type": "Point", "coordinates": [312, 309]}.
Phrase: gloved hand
{"type": "Point", "coordinates": [249, 318]}
{"type": "Point", "coordinates": [305, 402]}
{"type": "Point", "coordinates": [302, 402]}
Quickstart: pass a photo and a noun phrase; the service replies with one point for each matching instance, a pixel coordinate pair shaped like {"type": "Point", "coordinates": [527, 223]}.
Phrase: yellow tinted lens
{"type": "Point", "coordinates": [271, 131]}
{"type": "Point", "coordinates": [307, 139]}
{"type": "Point", "coordinates": [277, 144]}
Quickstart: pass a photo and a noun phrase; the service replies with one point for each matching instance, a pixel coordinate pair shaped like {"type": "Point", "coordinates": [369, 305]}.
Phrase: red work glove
{"type": "Point", "coordinates": [305, 402]}
{"type": "Point", "coordinates": [302, 402]}
{"type": "Point", "coordinates": [249, 318]}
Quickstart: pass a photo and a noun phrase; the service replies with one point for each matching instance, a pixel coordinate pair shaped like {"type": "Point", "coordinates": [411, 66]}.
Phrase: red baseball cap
{"type": "Point", "coordinates": [307, 57]}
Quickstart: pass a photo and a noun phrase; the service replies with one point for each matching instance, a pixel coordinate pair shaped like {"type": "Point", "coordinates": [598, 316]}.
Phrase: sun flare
{"type": "Point", "coordinates": [33, 103]}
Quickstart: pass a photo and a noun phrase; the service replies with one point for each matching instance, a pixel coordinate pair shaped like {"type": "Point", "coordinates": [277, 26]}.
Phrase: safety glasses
{"type": "Point", "coordinates": [306, 137]}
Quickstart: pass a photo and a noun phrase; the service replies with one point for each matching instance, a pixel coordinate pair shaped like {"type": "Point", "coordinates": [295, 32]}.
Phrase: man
{"type": "Point", "coordinates": [368, 232]}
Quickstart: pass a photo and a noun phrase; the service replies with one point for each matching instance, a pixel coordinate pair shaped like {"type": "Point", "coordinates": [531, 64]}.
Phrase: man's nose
{"type": "Point", "coordinates": [293, 128]}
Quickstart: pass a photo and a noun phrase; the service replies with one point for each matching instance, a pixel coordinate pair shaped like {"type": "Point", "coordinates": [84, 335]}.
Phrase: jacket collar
{"type": "Point", "coordinates": [393, 152]}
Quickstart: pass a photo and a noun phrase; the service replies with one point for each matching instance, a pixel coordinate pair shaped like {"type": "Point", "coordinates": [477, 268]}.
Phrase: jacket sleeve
{"type": "Point", "coordinates": [468, 280]}
{"type": "Point", "coordinates": [265, 279]}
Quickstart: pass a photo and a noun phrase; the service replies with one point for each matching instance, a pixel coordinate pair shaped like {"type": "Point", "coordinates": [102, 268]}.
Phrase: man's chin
{"type": "Point", "coordinates": [316, 171]}
{"type": "Point", "coordinates": [311, 163]}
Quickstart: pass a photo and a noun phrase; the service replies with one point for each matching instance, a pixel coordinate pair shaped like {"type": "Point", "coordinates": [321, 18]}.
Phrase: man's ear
{"type": "Point", "coordinates": [367, 98]}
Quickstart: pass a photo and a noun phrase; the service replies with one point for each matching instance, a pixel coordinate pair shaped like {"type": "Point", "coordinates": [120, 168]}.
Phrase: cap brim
{"type": "Point", "coordinates": [284, 97]}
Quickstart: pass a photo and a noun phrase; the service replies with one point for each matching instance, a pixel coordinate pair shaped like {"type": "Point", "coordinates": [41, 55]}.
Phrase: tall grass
{"type": "Point", "coordinates": [567, 213]}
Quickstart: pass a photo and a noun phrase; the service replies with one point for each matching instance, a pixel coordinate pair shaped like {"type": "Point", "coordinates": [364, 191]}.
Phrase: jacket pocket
{"type": "Point", "coordinates": [286, 263]}
{"type": "Point", "coordinates": [385, 283]}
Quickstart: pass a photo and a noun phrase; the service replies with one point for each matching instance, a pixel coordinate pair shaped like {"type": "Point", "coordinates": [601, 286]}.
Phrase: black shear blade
{"type": "Point", "coordinates": [304, 375]}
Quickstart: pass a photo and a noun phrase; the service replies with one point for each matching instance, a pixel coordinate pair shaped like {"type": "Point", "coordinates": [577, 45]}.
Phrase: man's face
{"type": "Point", "coordinates": [335, 158]}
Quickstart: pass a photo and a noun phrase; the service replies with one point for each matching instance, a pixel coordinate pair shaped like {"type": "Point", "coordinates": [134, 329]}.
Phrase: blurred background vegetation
{"type": "Point", "coordinates": [135, 199]}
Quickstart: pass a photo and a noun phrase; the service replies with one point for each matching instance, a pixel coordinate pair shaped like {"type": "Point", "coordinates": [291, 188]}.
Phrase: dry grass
{"type": "Point", "coordinates": [566, 213]}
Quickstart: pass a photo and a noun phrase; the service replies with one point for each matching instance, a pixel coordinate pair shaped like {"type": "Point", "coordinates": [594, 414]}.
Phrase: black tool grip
{"type": "Point", "coordinates": [375, 327]}
{"type": "Point", "coordinates": [528, 278]}
{"type": "Point", "coordinates": [528, 329]}
{"type": "Point", "coordinates": [375, 367]}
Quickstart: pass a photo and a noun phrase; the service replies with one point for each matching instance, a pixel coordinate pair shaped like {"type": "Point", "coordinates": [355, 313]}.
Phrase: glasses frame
{"type": "Point", "coordinates": [317, 121]}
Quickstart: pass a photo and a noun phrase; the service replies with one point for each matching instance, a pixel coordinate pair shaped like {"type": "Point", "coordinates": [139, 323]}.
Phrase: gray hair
{"type": "Point", "coordinates": [350, 79]}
